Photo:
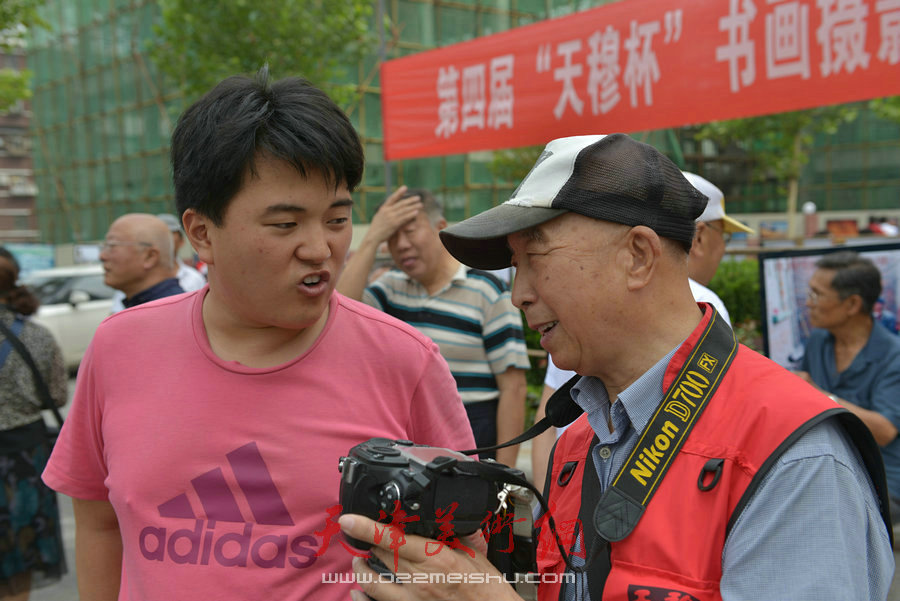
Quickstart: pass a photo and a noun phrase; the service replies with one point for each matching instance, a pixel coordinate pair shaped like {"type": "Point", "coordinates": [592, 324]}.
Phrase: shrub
{"type": "Point", "coordinates": [737, 284]}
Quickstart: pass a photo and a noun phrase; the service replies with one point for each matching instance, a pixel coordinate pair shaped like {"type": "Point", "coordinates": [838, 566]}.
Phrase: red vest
{"type": "Point", "coordinates": [677, 545]}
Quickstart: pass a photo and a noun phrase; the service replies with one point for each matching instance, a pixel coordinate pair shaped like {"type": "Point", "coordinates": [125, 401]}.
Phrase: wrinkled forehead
{"type": "Point", "coordinates": [567, 230]}
{"type": "Point", "coordinates": [571, 225]}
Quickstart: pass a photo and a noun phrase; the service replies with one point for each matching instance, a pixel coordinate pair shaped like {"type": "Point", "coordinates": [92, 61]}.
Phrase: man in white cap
{"type": "Point", "coordinates": [698, 469]}
{"type": "Point", "coordinates": [714, 229]}
{"type": "Point", "coordinates": [188, 278]}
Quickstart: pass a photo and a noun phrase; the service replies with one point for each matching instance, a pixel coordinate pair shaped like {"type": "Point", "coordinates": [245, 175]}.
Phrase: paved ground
{"type": "Point", "coordinates": [66, 590]}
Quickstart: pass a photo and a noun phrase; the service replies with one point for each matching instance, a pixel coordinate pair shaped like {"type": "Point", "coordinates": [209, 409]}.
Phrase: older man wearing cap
{"type": "Point", "coordinates": [714, 229]}
{"type": "Point", "coordinates": [699, 469]}
{"type": "Point", "coordinates": [189, 279]}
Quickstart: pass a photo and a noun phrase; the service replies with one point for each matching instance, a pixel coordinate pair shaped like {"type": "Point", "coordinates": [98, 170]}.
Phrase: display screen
{"type": "Point", "coordinates": [784, 282]}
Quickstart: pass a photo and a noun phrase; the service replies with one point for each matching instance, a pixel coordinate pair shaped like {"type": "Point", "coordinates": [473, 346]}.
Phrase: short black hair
{"type": "Point", "coordinates": [854, 274]}
{"type": "Point", "coordinates": [219, 138]}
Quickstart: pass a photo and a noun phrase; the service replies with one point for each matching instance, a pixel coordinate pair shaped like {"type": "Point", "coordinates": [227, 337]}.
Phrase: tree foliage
{"type": "Point", "coordinates": [779, 144]}
{"type": "Point", "coordinates": [513, 164]}
{"type": "Point", "coordinates": [16, 16]}
{"type": "Point", "coordinates": [200, 42]}
{"type": "Point", "coordinates": [887, 108]}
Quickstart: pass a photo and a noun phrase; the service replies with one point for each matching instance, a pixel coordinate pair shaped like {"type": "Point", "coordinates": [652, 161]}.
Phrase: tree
{"type": "Point", "coordinates": [513, 164]}
{"type": "Point", "coordinates": [16, 16]}
{"type": "Point", "coordinates": [887, 108]}
{"type": "Point", "coordinates": [780, 144]}
{"type": "Point", "coordinates": [200, 42]}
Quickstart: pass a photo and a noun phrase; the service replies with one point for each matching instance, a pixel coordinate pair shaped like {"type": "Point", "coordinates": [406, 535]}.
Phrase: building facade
{"type": "Point", "coordinates": [18, 221]}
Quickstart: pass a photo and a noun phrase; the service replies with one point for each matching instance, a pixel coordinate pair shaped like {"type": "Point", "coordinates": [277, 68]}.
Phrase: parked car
{"type": "Point", "coordinates": [74, 300]}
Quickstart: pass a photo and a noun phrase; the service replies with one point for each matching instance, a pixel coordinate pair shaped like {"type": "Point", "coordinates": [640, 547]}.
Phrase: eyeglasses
{"type": "Point", "coordinates": [726, 236]}
{"type": "Point", "coordinates": [110, 244]}
{"type": "Point", "coordinates": [814, 297]}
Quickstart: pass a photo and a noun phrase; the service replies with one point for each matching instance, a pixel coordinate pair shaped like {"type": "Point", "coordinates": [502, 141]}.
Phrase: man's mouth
{"type": "Point", "coordinates": [315, 281]}
{"type": "Point", "coordinates": [547, 327]}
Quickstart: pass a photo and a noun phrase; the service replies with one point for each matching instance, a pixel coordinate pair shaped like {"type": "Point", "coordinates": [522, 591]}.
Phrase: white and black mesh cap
{"type": "Point", "coordinates": [613, 178]}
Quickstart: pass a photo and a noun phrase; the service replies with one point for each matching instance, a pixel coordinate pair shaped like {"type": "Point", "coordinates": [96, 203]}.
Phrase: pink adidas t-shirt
{"type": "Point", "coordinates": [224, 477]}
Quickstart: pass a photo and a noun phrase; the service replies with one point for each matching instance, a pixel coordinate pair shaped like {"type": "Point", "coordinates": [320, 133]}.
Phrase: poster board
{"type": "Point", "coordinates": [784, 277]}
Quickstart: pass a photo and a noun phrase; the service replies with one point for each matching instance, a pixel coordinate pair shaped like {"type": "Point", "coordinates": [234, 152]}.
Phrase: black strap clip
{"type": "Point", "coordinates": [714, 467]}
{"type": "Point", "coordinates": [565, 474]}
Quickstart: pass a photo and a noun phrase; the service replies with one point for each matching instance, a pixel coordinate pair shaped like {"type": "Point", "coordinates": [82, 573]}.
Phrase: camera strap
{"type": "Point", "coordinates": [497, 472]}
{"type": "Point", "coordinates": [624, 502]}
{"type": "Point", "coordinates": [621, 506]}
{"type": "Point", "coordinates": [561, 411]}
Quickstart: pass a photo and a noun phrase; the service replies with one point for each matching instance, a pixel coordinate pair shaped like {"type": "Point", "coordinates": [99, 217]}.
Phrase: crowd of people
{"type": "Point", "coordinates": [210, 410]}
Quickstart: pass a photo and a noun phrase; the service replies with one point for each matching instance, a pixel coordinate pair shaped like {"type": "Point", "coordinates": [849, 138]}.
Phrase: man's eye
{"type": "Point", "coordinates": [284, 225]}
{"type": "Point", "coordinates": [339, 220]}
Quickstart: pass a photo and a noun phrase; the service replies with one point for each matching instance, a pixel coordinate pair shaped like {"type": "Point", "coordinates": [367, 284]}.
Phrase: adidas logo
{"type": "Point", "coordinates": [202, 544]}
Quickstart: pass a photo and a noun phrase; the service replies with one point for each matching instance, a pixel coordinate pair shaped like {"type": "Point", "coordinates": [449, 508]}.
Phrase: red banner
{"type": "Point", "coordinates": [639, 65]}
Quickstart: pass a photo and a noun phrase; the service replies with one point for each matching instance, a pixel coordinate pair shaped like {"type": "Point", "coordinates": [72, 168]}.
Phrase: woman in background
{"type": "Point", "coordinates": [31, 551]}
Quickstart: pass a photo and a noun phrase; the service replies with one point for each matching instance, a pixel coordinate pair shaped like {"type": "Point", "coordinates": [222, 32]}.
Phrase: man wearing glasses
{"type": "Point", "coordinates": [852, 358]}
{"type": "Point", "coordinates": [714, 229]}
{"type": "Point", "coordinates": [138, 259]}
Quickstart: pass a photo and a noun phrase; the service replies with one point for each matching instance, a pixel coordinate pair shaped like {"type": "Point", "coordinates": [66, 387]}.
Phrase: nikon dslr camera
{"type": "Point", "coordinates": [381, 477]}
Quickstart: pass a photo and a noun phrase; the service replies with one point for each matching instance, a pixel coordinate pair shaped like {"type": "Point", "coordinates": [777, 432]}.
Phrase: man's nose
{"type": "Point", "coordinates": [522, 294]}
{"type": "Point", "coordinates": [315, 247]}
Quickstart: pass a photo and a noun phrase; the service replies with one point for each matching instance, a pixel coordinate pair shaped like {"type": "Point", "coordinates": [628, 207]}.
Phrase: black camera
{"type": "Point", "coordinates": [382, 477]}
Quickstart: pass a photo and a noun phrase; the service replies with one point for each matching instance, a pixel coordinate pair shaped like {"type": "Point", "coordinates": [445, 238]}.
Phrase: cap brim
{"type": "Point", "coordinates": [733, 225]}
{"type": "Point", "coordinates": [480, 241]}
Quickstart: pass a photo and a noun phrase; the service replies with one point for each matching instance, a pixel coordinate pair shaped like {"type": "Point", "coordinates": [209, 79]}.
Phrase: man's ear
{"type": "Point", "coordinates": [152, 258]}
{"type": "Point", "coordinates": [643, 251]}
{"type": "Point", "coordinates": [854, 304]}
{"type": "Point", "coordinates": [701, 234]}
{"type": "Point", "coordinates": [197, 228]}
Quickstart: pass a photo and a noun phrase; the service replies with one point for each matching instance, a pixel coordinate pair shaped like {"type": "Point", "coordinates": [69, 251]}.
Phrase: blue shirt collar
{"type": "Point", "coordinates": [167, 287]}
{"type": "Point", "coordinates": [636, 403]}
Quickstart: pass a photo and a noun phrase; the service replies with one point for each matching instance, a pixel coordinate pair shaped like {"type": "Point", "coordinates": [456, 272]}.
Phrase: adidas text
{"type": "Point", "coordinates": [229, 549]}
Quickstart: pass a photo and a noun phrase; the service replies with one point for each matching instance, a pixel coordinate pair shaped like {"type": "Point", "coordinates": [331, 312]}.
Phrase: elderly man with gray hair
{"type": "Point", "coordinates": [138, 259]}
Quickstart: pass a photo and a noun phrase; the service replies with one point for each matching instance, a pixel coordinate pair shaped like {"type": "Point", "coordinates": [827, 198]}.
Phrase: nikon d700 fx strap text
{"type": "Point", "coordinates": [623, 503]}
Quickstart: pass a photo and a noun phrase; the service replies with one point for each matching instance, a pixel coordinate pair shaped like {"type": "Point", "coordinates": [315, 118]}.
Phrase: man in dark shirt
{"type": "Point", "coordinates": [138, 258]}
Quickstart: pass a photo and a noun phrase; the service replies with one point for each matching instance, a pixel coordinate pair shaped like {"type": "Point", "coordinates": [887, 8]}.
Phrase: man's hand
{"type": "Point", "coordinates": [391, 215]}
{"type": "Point", "coordinates": [422, 556]}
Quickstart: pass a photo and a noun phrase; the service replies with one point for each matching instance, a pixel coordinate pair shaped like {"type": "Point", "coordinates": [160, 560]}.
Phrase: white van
{"type": "Point", "coordinates": [74, 300]}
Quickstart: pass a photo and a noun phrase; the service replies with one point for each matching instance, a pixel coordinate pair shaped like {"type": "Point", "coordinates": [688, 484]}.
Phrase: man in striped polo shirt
{"type": "Point", "coordinates": [467, 312]}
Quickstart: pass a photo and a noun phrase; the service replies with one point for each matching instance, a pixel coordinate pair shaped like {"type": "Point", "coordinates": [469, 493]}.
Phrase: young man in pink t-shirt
{"type": "Point", "coordinates": [202, 446]}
